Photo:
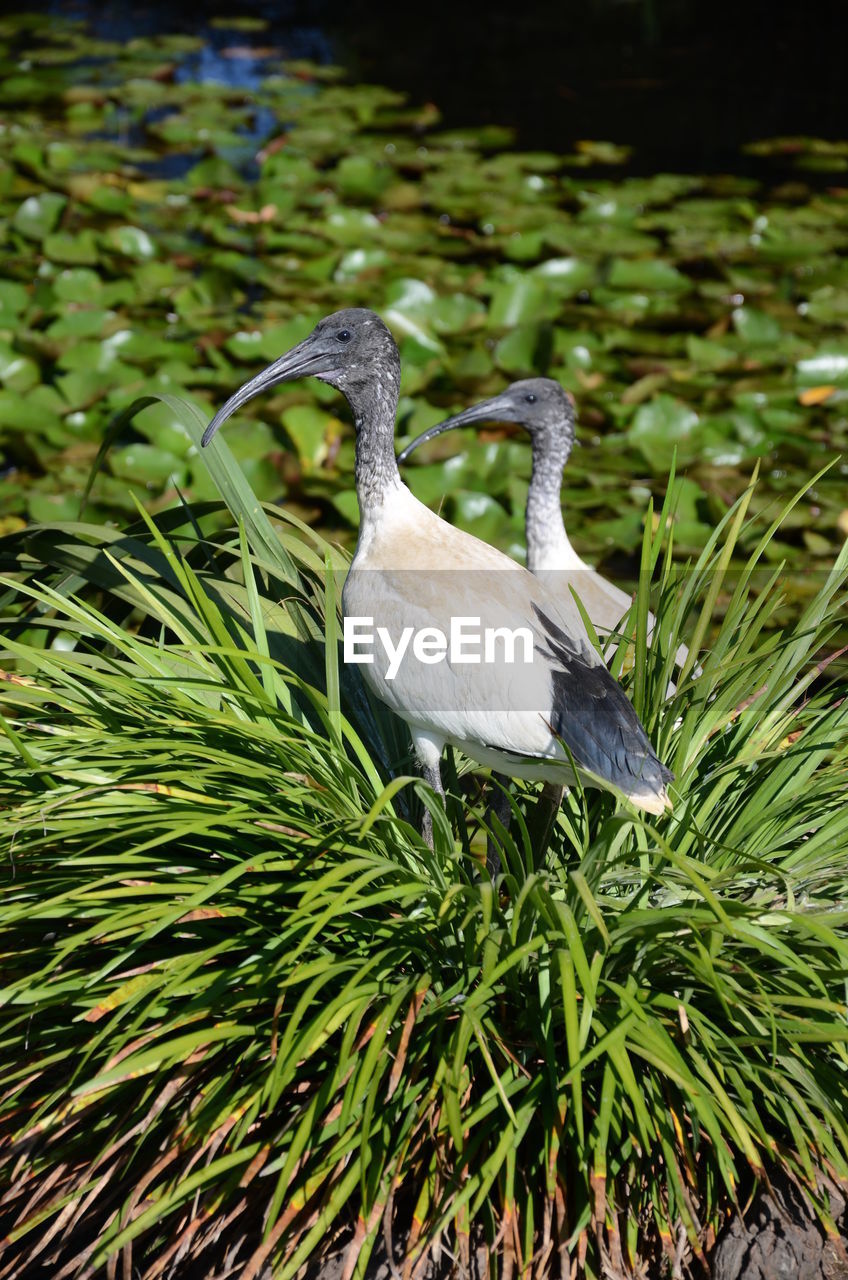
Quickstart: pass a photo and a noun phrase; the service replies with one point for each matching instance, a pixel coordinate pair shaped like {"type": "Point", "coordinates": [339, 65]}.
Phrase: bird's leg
{"type": "Point", "coordinates": [541, 824]}
{"type": "Point", "coordinates": [434, 778]}
{"type": "Point", "coordinates": [429, 752]}
{"type": "Point", "coordinates": [500, 808]}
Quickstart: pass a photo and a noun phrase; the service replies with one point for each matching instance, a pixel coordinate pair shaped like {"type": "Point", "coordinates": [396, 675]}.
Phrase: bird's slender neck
{"type": "Point", "coordinates": [376, 472]}
{"type": "Point", "coordinates": [548, 546]}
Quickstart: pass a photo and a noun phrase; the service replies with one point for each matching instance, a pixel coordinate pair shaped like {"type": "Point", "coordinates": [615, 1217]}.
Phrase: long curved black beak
{"type": "Point", "coordinates": [497, 409]}
{"type": "Point", "coordinates": [302, 361]}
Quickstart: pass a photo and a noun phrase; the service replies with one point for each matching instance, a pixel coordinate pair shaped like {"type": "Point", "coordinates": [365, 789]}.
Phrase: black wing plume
{"type": "Point", "coordinates": [595, 719]}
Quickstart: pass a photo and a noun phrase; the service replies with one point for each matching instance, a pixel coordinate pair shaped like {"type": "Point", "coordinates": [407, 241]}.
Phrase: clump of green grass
{"type": "Point", "coordinates": [249, 1017]}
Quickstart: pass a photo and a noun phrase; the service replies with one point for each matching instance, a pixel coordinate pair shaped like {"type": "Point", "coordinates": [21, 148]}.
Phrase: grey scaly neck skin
{"type": "Point", "coordinates": [548, 546]}
{"type": "Point", "coordinates": [373, 403]}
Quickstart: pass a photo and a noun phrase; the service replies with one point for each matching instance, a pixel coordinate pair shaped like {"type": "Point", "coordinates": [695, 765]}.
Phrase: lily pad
{"type": "Point", "coordinates": [267, 343]}
{"type": "Point", "coordinates": [36, 217]}
{"type": "Point", "coordinates": [17, 372]}
{"type": "Point", "coordinates": [64, 246]}
{"type": "Point", "coordinates": [646, 273]}
{"type": "Point", "coordinates": [25, 413]}
{"type": "Point", "coordinates": [14, 298]}
{"type": "Point", "coordinates": [358, 177]}
{"type": "Point", "coordinates": [48, 508]}
{"type": "Point", "coordinates": [524, 351]}
{"type": "Point", "coordinates": [358, 262]}
{"type": "Point", "coordinates": [77, 285]}
{"type": "Point", "coordinates": [659, 426]}
{"type": "Point", "coordinates": [134, 242]}
{"type": "Point", "coordinates": [567, 277]}
{"type": "Point", "coordinates": [708, 354]}
{"type": "Point", "coordinates": [829, 365]}
{"type": "Point", "coordinates": [313, 432]}
{"type": "Point", "coordinates": [517, 300]}
{"type": "Point", "coordinates": [87, 322]}
{"type": "Point", "coordinates": [755, 327]}
{"type": "Point", "coordinates": [148, 465]}
{"type": "Point", "coordinates": [480, 514]}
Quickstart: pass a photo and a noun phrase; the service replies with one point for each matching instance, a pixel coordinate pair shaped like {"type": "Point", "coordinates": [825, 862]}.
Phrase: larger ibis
{"type": "Point", "coordinates": [412, 569]}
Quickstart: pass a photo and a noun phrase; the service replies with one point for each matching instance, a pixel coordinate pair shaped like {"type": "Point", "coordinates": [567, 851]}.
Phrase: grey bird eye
{"type": "Point", "coordinates": [530, 397]}
{"type": "Point", "coordinates": [344, 335]}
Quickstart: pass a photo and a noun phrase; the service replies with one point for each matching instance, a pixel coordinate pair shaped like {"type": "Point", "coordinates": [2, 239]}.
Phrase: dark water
{"type": "Point", "coordinates": [686, 83]}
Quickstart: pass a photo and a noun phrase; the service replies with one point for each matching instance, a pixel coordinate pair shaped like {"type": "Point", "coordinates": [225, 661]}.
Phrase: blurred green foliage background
{"type": "Point", "coordinates": [165, 232]}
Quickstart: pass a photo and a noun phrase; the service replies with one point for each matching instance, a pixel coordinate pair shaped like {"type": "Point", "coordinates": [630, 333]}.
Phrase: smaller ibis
{"type": "Point", "coordinates": [546, 412]}
{"type": "Point", "coordinates": [412, 573]}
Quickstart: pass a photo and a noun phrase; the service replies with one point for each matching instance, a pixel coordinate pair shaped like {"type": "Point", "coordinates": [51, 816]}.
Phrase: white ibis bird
{"type": "Point", "coordinates": [412, 570]}
{"type": "Point", "coordinates": [546, 412]}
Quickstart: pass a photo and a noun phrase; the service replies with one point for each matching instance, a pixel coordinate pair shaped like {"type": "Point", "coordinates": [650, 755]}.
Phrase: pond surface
{"type": "Point", "coordinates": [177, 208]}
{"type": "Point", "coordinates": [686, 85]}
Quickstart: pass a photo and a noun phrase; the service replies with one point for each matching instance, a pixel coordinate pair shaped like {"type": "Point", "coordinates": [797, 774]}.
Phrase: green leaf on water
{"type": "Point", "coordinates": [85, 323]}
{"type": "Point", "coordinates": [660, 427]}
{"type": "Point", "coordinates": [77, 284]}
{"type": "Point", "coordinates": [147, 464]}
{"type": "Point", "coordinates": [49, 508]}
{"type": "Point", "coordinates": [38, 215]}
{"type": "Point", "coordinates": [17, 372]}
{"type": "Point", "coordinates": [708, 354]}
{"type": "Point", "coordinates": [828, 305]}
{"type": "Point", "coordinates": [828, 365]}
{"type": "Point", "coordinates": [131, 241]}
{"type": "Point", "coordinates": [165, 428]}
{"type": "Point", "coordinates": [360, 262]}
{"type": "Point", "coordinates": [516, 300]}
{"type": "Point", "coordinates": [88, 356]}
{"type": "Point", "coordinates": [756, 328]}
{"type": "Point", "coordinates": [26, 413]}
{"type": "Point", "coordinates": [566, 276]}
{"type": "Point", "coordinates": [347, 505]}
{"type": "Point", "coordinates": [312, 430]}
{"type": "Point", "coordinates": [478, 513]}
{"type": "Point", "coordinates": [14, 299]}
{"type": "Point", "coordinates": [74, 248]}
{"type": "Point", "coordinates": [347, 226]}
{"type": "Point", "coordinates": [360, 178]}
{"type": "Point", "coordinates": [524, 351]}
{"type": "Point", "coordinates": [269, 342]}
{"type": "Point", "coordinates": [647, 273]}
